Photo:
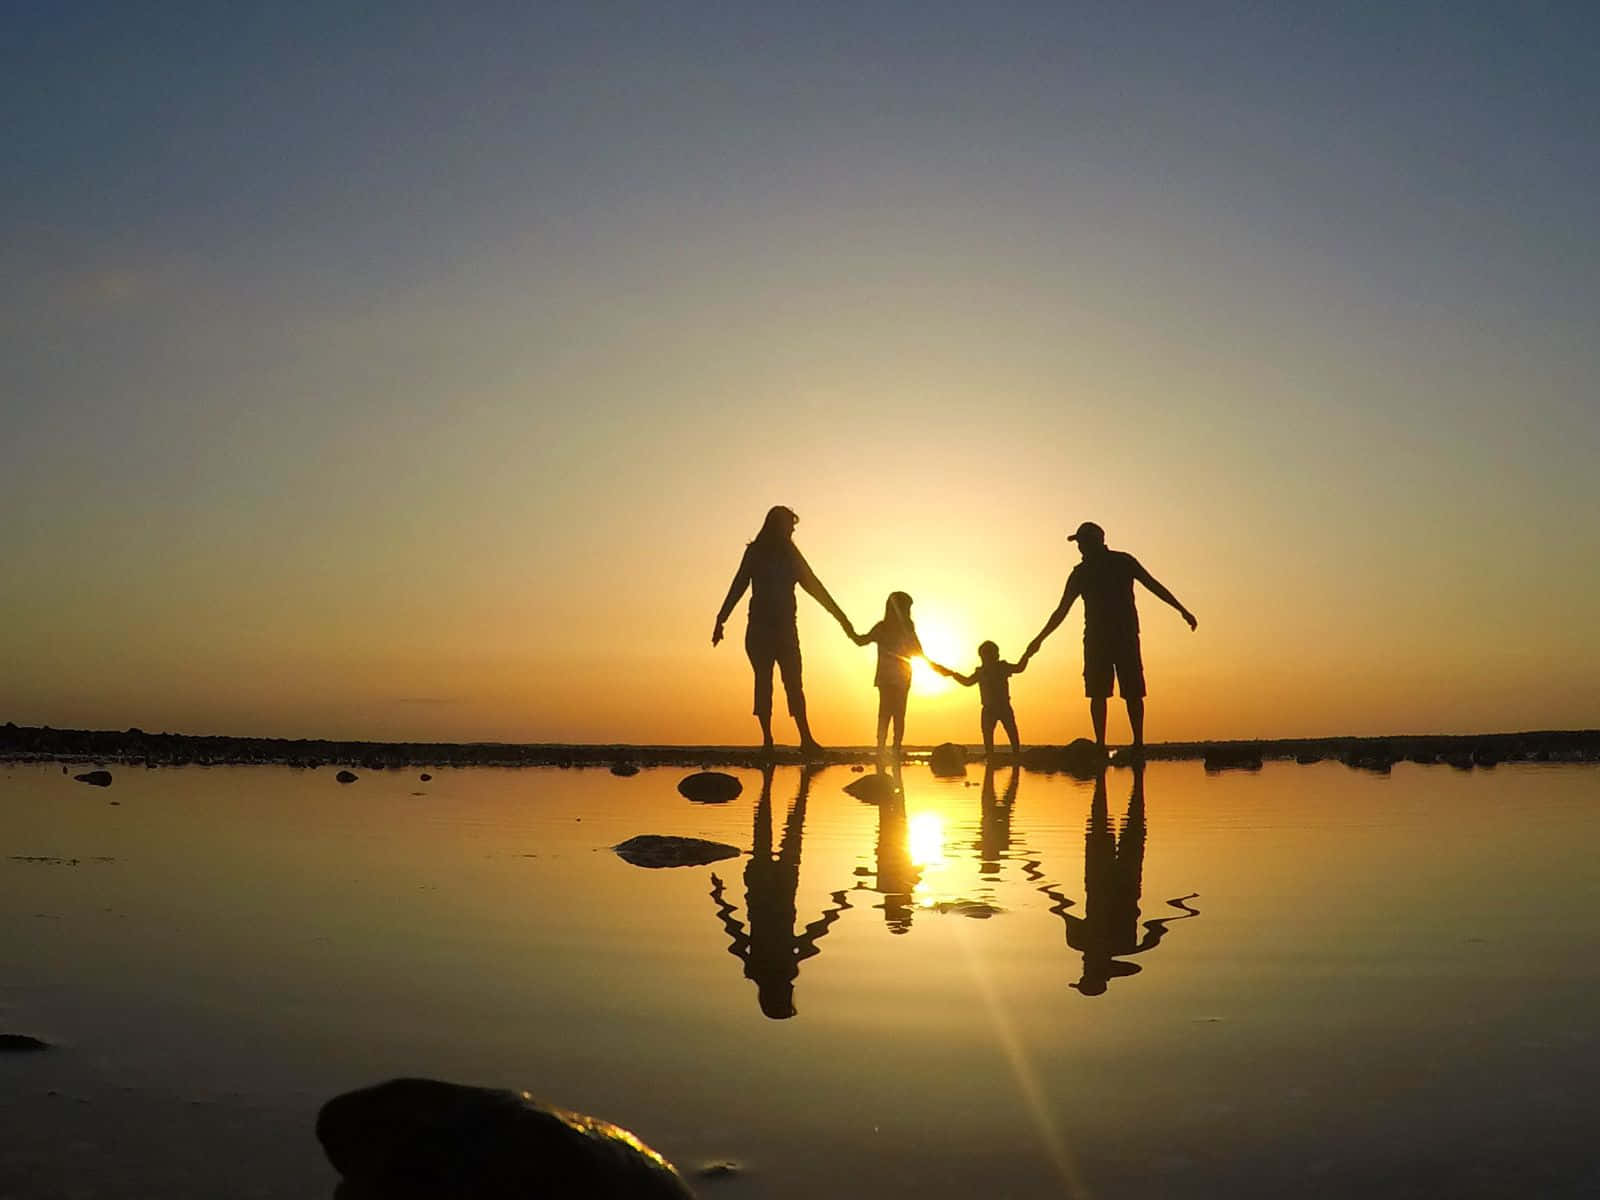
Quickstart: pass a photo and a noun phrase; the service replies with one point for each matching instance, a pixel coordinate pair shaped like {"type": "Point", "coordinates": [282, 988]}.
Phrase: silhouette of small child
{"type": "Point", "coordinates": [897, 643]}
{"type": "Point", "coordinates": [993, 677]}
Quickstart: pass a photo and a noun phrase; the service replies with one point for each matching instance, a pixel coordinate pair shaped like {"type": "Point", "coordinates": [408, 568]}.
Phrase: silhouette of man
{"type": "Point", "coordinates": [770, 949]}
{"type": "Point", "coordinates": [771, 567]}
{"type": "Point", "coordinates": [1105, 580]}
{"type": "Point", "coordinates": [1113, 878]}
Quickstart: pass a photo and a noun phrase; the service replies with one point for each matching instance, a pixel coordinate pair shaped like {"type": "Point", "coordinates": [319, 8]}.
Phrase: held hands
{"type": "Point", "coordinates": [1189, 617]}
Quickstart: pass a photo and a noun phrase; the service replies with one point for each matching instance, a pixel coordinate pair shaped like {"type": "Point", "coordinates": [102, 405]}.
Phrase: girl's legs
{"type": "Point", "coordinates": [899, 714]}
{"type": "Point", "coordinates": [884, 708]}
{"type": "Point", "coordinates": [988, 735]}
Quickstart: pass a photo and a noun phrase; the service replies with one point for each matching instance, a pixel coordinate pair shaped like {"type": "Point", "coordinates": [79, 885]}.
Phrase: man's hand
{"type": "Point", "coordinates": [716, 634]}
{"type": "Point", "coordinates": [1189, 617]}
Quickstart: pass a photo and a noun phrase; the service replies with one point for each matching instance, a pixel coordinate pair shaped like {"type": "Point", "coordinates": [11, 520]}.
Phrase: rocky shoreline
{"type": "Point", "coordinates": [134, 747]}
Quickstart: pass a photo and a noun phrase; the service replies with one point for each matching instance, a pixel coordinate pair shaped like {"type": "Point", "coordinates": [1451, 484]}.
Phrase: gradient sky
{"type": "Point", "coordinates": [390, 371]}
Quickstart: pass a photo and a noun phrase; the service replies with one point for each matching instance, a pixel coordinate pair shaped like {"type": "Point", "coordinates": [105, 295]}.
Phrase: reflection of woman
{"type": "Point", "coordinates": [770, 949]}
{"type": "Point", "coordinates": [771, 566]}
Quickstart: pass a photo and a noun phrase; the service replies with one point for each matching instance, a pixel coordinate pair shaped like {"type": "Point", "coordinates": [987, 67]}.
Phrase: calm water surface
{"type": "Point", "coordinates": [1306, 981]}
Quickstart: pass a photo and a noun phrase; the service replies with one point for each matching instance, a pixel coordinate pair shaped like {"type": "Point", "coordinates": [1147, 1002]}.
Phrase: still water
{"type": "Point", "coordinates": [1306, 981]}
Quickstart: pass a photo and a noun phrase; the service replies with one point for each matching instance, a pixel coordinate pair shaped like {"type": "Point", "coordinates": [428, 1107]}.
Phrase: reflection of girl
{"type": "Point", "coordinates": [771, 566]}
{"type": "Point", "coordinates": [897, 645]}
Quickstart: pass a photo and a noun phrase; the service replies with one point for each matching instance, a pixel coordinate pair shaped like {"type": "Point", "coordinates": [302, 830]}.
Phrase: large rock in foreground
{"type": "Point", "coordinates": [710, 787]}
{"type": "Point", "coordinates": [660, 850]}
{"type": "Point", "coordinates": [422, 1139]}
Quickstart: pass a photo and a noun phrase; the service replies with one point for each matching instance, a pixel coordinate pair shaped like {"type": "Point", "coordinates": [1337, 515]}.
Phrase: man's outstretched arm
{"type": "Point", "coordinates": [1068, 595]}
{"type": "Point", "coordinates": [1154, 584]}
{"type": "Point", "coordinates": [741, 580]}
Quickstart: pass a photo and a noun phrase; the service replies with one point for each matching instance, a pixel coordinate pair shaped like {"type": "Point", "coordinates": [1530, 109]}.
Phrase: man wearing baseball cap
{"type": "Point", "coordinates": [1105, 580]}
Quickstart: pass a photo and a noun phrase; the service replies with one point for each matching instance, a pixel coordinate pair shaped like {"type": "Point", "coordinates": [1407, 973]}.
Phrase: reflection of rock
{"type": "Point", "coordinates": [874, 788]}
{"type": "Point", "coordinates": [948, 760]}
{"type": "Point", "coordinates": [21, 1043]}
{"type": "Point", "coordinates": [1371, 756]}
{"type": "Point", "coordinates": [1233, 758]}
{"type": "Point", "coordinates": [420, 1139]}
{"type": "Point", "coordinates": [658, 850]}
{"type": "Point", "coordinates": [976, 909]}
{"type": "Point", "coordinates": [98, 778]}
{"type": "Point", "coordinates": [347, 777]}
{"type": "Point", "coordinates": [709, 787]}
{"type": "Point", "coordinates": [624, 769]}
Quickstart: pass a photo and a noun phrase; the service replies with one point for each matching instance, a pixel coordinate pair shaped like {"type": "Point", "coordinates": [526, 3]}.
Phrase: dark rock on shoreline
{"type": "Point", "coordinates": [21, 1043]}
{"type": "Point", "coordinates": [1080, 758]}
{"type": "Point", "coordinates": [97, 778]}
{"type": "Point", "coordinates": [421, 1139]}
{"type": "Point", "coordinates": [710, 787]}
{"type": "Point", "coordinates": [948, 760]}
{"type": "Point", "coordinates": [874, 788]}
{"type": "Point", "coordinates": [624, 769]}
{"type": "Point", "coordinates": [660, 850]}
{"type": "Point", "coordinates": [1233, 758]}
{"type": "Point", "coordinates": [347, 777]}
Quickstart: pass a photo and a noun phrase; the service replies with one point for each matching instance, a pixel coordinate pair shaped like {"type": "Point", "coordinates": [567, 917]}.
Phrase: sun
{"type": "Point", "coordinates": [943, 646]}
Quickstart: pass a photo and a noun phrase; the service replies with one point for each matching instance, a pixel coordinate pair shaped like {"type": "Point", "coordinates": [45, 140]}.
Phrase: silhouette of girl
{"type": "Point", "coordinates": [897, 645]}
{"type": "Point", "coordinates": [771, 566]}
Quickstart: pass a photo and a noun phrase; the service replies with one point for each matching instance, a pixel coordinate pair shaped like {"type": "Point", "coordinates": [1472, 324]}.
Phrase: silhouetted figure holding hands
{"type": "Point", "coordinates": [771, 566]}
{"type": "Point", "coordinates": [770, 949]}
{"type": "Point", "coordinates": [993, 677]}
{"type": "Point", "coordinates": [896, 637]}
{"type": "Point", "coordinates": [1105, 580]}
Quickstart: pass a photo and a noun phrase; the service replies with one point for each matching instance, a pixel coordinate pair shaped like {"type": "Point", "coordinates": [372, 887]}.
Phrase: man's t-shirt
{"type": "Point", "coordinates": [1105, 581]}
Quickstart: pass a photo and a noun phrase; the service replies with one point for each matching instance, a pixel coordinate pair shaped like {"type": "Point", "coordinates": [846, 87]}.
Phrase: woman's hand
{"type": "Point", "coordinates": [716, 634]}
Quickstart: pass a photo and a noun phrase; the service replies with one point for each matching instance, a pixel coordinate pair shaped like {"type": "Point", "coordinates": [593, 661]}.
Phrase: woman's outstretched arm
{"type": "Point", "coordinates": [807, 578]}
{"type": "Point", "coordinates": [741, 580]}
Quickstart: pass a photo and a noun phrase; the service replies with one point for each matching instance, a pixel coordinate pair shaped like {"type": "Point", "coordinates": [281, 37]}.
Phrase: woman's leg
{"type": "Point", "coordinates": [759, 652]}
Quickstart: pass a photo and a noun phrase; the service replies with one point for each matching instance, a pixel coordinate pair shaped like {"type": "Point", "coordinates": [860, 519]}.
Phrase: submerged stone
{"type": "Point", "coordinates": [347, 777]}
{"type": "Point", "coordinates": [21, 1043]}
{"type": "Point", "coordinates": [97, 778]}
{"type": "Point", "coordinates": [660, 850]}
{"type": "Point", "coordinates": [710, 787]}
{"type": "Point", "coordinates": [624, 769]}
{"type": "Point", "coordinates": [948, 760]}
{"type": "Point", "coordinates": [874, 788]}
{"type": "Point", "coordinates": [423, 1139]}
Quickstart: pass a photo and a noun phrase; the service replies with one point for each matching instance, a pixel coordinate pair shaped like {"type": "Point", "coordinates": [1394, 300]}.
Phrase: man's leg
{"type": "Point", "coordinates": [1097, 715]}
{"type": "Point", "coordinates": [1099, 670]}
{"type": "Point", "coordinates": [1136, 719]}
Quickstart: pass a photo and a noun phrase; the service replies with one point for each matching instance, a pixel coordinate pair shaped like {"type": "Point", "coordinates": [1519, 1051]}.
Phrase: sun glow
{"type": "Point", "coordinates": [942, 646]}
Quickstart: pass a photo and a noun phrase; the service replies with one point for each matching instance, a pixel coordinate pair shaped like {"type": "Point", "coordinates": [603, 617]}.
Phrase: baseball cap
{"type": "Point", "coordinates": [1088, 532]}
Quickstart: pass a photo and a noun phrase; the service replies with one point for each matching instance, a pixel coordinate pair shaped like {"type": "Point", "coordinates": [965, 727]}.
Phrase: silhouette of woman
{"type": "Point", "coordinates": [770, 948]}
{"type": "Point", "coordinates": [771, 566]}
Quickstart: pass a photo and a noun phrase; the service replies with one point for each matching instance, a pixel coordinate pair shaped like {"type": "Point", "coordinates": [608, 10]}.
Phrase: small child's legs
{"type": "Point", "coordinates": [1008, 721]}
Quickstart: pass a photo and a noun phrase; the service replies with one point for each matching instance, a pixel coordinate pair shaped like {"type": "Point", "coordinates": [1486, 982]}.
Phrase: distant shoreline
{"type": "Point", "coordinates": [136, 747]}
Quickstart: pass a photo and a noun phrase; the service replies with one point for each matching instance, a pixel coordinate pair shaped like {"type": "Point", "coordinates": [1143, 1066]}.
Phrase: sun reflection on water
{"type": "Point", "coordinates": [925, 841]}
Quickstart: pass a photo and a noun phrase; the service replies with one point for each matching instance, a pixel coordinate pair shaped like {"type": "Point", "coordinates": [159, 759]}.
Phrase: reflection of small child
{"type": "Point", "coordinates": [993, 678]}
{"type": "Point", "coordinates": [897, 646]}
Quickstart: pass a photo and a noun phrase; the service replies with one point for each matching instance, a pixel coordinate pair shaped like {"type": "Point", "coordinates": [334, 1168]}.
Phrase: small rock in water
{"type": "Point", "coordinates": [658, 850]}
{"type": "Point", "coordinates": [422, 1139]}
{"type": "Point", "coordinates": [424, 777]}
{"type": "Point", "coordinates": [21, 1043]}
{"type": "Point", "coordinates": [624, 769]}
{"type": "Point", "coordinates": [874, 788]}
{"type": "Point", "coordinates": [709, 787]}
{"type": "Point", "coordinates": [97, 778]}
{"type": "Point", "coordinates": [948, 760]}
{"type": "Point", "coordinates": [718, 1170]}
{"type": "Point", "coordinates": [347, 777]}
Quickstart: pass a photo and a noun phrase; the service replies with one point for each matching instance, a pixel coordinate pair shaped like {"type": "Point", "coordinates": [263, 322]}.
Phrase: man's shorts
{"type": "Point", "coordinates": [1108, 658]}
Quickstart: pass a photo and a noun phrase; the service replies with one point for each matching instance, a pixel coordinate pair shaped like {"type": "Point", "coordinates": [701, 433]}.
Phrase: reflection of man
{"type": "Point", "coordinates": [770, 949]}
{"type": "Point", "coordinates": [1105, 580]}
{"type": "Point", "coordinates": [1113, 870]}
